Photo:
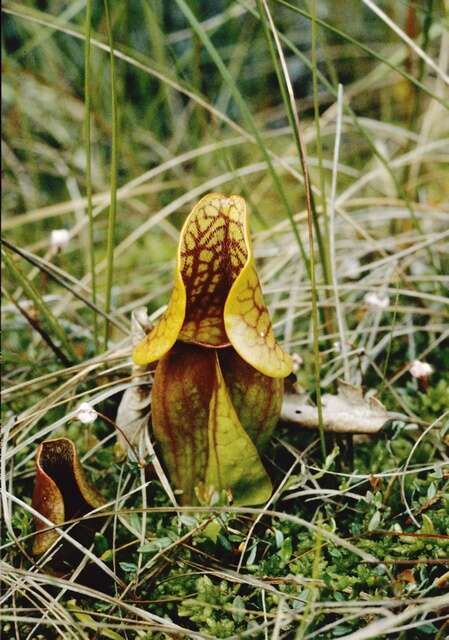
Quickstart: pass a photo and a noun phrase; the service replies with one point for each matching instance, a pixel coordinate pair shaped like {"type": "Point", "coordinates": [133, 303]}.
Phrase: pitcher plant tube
{"type": "Point", "coordinates": [218, 384]}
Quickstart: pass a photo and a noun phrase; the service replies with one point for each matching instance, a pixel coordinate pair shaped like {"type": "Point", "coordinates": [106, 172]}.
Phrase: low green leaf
{"type": "Point", "coordinates": [155, 545]}
{"type": "Point", "coordinates": [285, 552]}
{"type": "Point", "coordinates": [128, 567]}
{"type": "Point", "coordinates": [239, 604]}
{"type": "Point", "coordinates": [212, 530]}
{"type": "Point", "coordinates": [374, 521]}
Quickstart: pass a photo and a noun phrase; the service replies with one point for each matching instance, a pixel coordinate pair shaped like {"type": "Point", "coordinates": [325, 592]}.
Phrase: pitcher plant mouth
{"type": "Point", "coordinates": [217, 300]}
{"type": "Point", "coordinates": [61, 490]}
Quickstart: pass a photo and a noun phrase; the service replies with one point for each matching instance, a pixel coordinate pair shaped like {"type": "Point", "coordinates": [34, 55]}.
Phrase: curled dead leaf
{"type": "Point", "coordinates": [140, 325]}
{"type": "Point", "coordinates": [133, 411]}
{"type": "Point", "coordinates": [347, 412]}
{"type": "Point", "coordinates": [132, 415]}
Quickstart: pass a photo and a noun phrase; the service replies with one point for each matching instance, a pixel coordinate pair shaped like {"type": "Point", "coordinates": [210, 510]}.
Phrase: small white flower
{"type": "Point", "coordinates": [420, 369]}
{"type": "Point", "coordinates": [86, 413]}
{"type": "Point", "coordinates": [59, 238]}
{"type": "Point", "coordinates": [337, 346]}
{"type": "Point", "coordinates": [376, 302]}
{"type": "Point", "coordinates": [297, 362]}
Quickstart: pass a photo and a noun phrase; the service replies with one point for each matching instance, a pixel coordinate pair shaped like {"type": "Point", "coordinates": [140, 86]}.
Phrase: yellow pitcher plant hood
{"type": "Point", "coordinates": [217, 300]}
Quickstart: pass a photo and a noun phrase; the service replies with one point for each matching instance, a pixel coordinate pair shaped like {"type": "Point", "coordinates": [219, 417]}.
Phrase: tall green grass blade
{"type": "Point", "coordinates": [88, 145]}
{"type": "Point", "coordinates": [319, 148]}
{"type": "Point", "coordinates": [332, 252]}
{"type": "Point", "coordinates": [114, 158]}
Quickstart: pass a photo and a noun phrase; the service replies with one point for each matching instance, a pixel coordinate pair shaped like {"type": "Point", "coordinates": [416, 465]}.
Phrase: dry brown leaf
{"type": "Point", "coordinates": [347, 412]}
{"type": "Point", "coordinates": [132, 415]}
